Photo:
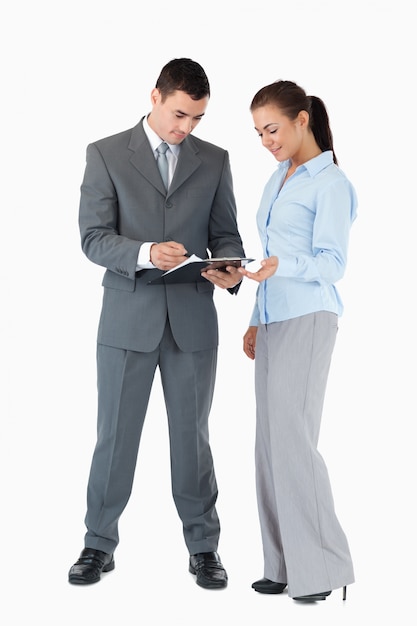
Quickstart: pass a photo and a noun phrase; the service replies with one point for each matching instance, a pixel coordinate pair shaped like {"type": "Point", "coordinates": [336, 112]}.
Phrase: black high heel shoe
{"type": "Point", "coordinates": [315, 597]}
{"type": "Point", "coordinates": [264, 585]}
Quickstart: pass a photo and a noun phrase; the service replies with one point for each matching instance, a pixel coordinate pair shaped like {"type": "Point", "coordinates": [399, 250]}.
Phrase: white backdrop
{"type": "Point", "coordinates": [74, 72]}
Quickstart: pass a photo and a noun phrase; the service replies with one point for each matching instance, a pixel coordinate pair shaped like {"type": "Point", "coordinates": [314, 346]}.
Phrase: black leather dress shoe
{"type": "Point", "coordinates": [89, 567]}
{"type": "Point", "coordinates": [209, 570]}
{"type": "Point", "coordinates": [314, 597]}
{"type": "Point", "coordinates": [264, 585]}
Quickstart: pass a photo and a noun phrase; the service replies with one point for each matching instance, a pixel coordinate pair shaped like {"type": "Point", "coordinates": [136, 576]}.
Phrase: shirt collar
{"type": "Point", "coordinates": [318, 163]}
{"type": "Point", "coordinates": [314, 165]}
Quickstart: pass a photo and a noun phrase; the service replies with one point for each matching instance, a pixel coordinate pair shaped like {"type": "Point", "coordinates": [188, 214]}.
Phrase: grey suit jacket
{"type": "Point", "coordinates": [124, 204]}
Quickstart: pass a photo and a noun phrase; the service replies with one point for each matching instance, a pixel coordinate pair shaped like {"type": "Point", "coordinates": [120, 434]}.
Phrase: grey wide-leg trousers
{"type": "Point", "coordinates": [303, 542]}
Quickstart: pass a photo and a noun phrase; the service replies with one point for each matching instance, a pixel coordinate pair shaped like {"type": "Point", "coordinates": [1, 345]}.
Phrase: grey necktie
{"type": "Point", "coordinates": [163, 162]}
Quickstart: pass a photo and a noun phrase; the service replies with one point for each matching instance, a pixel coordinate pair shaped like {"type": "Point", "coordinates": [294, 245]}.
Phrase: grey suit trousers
{"type": "Point", "coordinates": [303, 542]}
{"type": "Point", "coordinates": [124, 384]}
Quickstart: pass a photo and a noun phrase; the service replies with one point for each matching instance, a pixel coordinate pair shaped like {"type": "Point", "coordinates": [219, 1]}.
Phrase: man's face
{"type": "Point", "coordinates": [177, 116]}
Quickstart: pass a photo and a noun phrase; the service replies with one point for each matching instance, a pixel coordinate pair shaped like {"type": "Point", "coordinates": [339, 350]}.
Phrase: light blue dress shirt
{"type": "Point", "coordinates": [305, 222]}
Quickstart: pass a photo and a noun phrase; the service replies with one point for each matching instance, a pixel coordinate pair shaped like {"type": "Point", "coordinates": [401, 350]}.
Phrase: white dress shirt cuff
{"type": "Point", "coordinates": [144, 261]}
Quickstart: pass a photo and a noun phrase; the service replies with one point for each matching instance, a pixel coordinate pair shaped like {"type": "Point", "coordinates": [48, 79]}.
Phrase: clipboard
{"type": "Point", "coordinates": [190, 270]}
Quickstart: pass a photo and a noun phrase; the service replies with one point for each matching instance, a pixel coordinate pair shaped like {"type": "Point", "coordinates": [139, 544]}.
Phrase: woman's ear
{"type": "Point", "coordinates": [303, 118]}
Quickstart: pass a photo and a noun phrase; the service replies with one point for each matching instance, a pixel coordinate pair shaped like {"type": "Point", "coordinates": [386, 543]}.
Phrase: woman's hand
{"type": "Point", "coordinates": [249, 341]}
{"type": "Point", "coordinates": [268, 268]}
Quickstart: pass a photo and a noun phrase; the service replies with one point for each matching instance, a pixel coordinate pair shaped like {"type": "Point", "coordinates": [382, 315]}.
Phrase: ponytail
{"type": "Point", "coordinates": [319, 124]}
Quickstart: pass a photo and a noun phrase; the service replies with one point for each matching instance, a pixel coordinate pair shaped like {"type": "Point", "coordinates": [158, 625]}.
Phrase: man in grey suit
{"type": "Point", "coordinates": [137, 227]}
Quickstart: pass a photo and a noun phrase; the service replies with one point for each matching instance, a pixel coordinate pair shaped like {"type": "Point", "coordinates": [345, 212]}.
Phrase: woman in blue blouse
{"type": "Point", "coordinates": [304, 220]}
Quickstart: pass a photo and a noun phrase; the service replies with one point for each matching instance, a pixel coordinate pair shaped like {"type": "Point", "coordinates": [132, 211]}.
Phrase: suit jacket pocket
{"type": "Point", "coordinates": [115, 281]}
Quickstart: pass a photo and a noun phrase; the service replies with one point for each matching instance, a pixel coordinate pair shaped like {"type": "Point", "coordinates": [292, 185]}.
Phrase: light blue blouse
{"type": "Point", "coordinates": [305, 222]}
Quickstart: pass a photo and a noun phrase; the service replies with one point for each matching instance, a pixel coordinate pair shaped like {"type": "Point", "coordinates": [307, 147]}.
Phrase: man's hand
{"type": "Point", "coordinates": [167, 255]}
{"type": "Point", "coordinates": [268, 268]}
{"type": "Point", "coordinates": [223, 279]}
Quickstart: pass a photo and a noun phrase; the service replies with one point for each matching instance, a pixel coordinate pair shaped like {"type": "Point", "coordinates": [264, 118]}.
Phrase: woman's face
{"type": "Point", "coordinates": [280, 135]}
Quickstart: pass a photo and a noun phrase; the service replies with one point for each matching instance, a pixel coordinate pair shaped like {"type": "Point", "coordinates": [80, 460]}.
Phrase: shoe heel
{"type": "Point", "coordinates": [344, 593]}
{"type": "Point", "coordinates": [109, 567]}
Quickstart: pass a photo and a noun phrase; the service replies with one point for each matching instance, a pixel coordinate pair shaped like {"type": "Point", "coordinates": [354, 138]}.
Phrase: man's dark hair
{"type": "Point", "coordinates": [183, 75]}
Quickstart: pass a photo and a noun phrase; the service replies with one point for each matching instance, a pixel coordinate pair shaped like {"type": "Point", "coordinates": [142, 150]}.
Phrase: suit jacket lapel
{"type": "Point", "coordinates": [143, 160]}
{"type": "Point", "coordinates": [188, 162]}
